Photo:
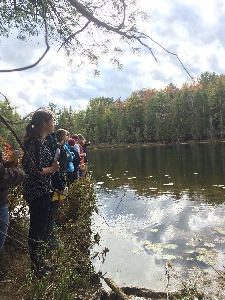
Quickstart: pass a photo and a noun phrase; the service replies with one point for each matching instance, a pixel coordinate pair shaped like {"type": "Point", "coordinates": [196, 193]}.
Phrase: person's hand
{"type": "Point", "coordinates": [55, 166]}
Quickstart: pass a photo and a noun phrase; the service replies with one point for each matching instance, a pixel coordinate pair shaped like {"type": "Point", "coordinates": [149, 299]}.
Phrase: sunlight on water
{"type": "Point", "coordinates": [143, 233]}
{"type": "Point", "coordinates": [147, 221]}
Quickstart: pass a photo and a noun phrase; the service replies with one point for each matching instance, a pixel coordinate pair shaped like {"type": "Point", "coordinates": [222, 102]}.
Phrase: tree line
{"type": "Point", "coordinates": [195, 111]}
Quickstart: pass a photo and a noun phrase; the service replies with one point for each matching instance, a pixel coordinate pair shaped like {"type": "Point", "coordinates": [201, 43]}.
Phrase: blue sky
{"type": "Point", "coordinates": [193, 29]}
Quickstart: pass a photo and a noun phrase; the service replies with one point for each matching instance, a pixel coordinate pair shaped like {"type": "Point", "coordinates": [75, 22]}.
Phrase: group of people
{"type": "Point", "coordinates": [51, 160]}
{"type": "Point", "coordinates": [70, 154]}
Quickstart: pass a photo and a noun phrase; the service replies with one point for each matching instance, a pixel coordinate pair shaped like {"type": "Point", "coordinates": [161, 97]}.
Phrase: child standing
{"type": "Point", "coordinates": [36, 191]}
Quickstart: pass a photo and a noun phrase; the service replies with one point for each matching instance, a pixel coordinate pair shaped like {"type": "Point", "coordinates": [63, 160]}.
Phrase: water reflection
{"type": "Point", "coordinates": [156, 214]}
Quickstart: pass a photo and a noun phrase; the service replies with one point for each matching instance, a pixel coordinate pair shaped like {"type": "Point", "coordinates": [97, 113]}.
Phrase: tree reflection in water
{"type": "Point", "coordinates": [160, 204]}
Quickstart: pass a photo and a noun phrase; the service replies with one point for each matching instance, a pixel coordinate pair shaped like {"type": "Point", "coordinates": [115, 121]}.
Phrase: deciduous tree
{"type": "Point", "coordinates": [86, 30]}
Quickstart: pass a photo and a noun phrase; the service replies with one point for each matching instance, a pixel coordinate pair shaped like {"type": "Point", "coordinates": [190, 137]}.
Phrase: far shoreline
{"type": "Point", "coordinates": [148, 144]}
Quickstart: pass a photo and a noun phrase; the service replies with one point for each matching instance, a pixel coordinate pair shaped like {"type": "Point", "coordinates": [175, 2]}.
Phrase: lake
{"type": "Point", "coordinates": [159, 204]}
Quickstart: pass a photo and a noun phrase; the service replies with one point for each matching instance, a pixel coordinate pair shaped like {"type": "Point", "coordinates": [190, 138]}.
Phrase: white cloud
{"type": "Point", "coordinates": [192, 29]}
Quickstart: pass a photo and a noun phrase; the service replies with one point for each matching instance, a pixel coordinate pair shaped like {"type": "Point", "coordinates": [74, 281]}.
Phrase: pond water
{"type": "Point", "coordinates": [159, 204]}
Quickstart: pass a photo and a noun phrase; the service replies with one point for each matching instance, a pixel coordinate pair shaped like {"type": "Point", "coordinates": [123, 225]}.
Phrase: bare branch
{"type": "Point", "coordinates": [145, 35]}
{"type": "Point", "coordinates": [81, 9]}
{"type": "Point", "coordinates": [73, 35]}
{"type": "Point", "coordinates": [23, 119]}
{"type": "Point", "coordinates": [6, 235]}
{"type": "Point", "coordinates": [145, 45]}
{"type": "Point", "coordinates": [85, 13]}
{"type": "Point", "coordinates": [43, 55]}
{"type": "Point", "coordinates": [130, 35]}
{"type": "Point", "coordinates": [27, 67]}
{"type": "Point", "coordinates": [124, 15]}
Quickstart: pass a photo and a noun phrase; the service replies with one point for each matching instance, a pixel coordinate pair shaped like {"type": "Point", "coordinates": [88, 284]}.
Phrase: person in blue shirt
{"type": "Point", "coordinates": [67, 168]}
{"type": "Point", "coordinates": [76, 160]}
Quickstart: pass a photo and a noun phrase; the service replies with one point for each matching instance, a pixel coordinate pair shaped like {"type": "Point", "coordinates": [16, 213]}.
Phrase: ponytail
{"type": "Point", "coordinates": [34, 126]}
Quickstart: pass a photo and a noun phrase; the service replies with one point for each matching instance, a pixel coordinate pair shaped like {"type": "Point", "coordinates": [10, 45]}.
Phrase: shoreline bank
{"type": "Point", "coordinates": [128, 145]}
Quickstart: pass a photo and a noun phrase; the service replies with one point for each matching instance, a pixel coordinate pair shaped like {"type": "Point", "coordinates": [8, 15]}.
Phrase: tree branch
{"type": "Point", "coordinates": [85, 13]}
{"type": "Point", "coordinates": [82, 10]}
{"type": "Point", "coordinates": [43, 55]}
{"type": "Point", "coordinates": [27, 67]}
{"type": "Point", "coordinates": [128, 34]}
{"type": "Point", "coordinates": [73, 35]}
{"type": "Point", "coordinates": [145, 35]}
{"type": "Point", "coordinates": [124, 15]}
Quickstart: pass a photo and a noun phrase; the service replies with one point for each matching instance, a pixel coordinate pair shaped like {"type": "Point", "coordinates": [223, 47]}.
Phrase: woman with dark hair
{"type": "Point", "coordinates": [36, 191]}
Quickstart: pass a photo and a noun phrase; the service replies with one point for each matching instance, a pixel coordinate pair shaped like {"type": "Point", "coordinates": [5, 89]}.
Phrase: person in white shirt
{"type": "Point", "coordinates": [76, 145]}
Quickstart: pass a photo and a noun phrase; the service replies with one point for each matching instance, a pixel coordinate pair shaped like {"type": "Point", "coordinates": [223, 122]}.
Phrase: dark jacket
{"type": "Point", "coordinates": [57, 180]}
{"type": "Point", "coordinates": [8, 179]}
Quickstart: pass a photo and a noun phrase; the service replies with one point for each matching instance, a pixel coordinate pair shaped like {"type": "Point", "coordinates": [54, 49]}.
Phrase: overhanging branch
{"type": "Point", "coordinates": [131, 34]}
{"type": "Point", "coordinates": [74, 34]}
{"type": "Point", "coordinates": [43, 55]}
{"type": "Point", "coordinates": [85, 13]}
{"type": "Point", "coordinates": [27, 67]}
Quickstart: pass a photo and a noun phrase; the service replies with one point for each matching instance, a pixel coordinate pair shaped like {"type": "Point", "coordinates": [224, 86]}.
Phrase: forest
{"type": "Point", "coordinates": [193, 112]}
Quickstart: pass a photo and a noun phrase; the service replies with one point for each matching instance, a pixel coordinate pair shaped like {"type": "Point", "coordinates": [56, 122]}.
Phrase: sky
{"type": "Point", "coordinates": [192, 29]}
